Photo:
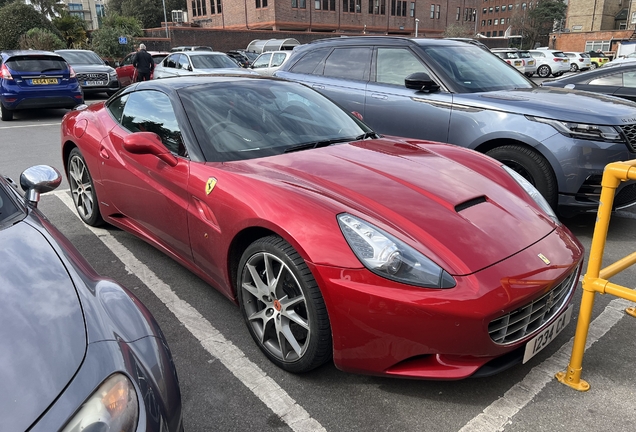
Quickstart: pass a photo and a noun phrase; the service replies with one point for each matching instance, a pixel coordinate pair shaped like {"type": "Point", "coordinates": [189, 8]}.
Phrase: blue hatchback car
{"type": "Point", "coordinates": [36, 79]}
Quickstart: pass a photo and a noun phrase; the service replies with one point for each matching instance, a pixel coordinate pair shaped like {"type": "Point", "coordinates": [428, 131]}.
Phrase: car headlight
{"type": "Point", "coordinates": [582, 130]}
{"type": "Point", "coordinates": [391, 258]}
{"type": "Point", "coordinates": [113, 406]}
{"type": "Point", "coordinates": [533, 192]}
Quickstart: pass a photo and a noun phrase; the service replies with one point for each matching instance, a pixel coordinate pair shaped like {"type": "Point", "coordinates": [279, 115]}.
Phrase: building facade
{"type": "Point", "coordinates": [337, 16]}
{"type": "Point", "coordinates": [501, 18]}
{"type": "Point", "coordinates": [91, 11]}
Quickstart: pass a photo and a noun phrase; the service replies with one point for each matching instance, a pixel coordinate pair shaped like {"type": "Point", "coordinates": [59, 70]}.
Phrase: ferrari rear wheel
{"type": "Point", "coordinates": [83, 190]}
{"type": "Point", "coordinates": [283, 307]}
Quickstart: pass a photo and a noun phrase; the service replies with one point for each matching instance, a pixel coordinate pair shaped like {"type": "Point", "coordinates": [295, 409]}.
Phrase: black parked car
{"type": "Point", "coordinates": [93, 74]}
{"type": "Point", "coordinates": [618, 81]}
{"type": "Point", "coordinates": [244, 58]}
{"type": "Point", "coordinates": [79, 352]}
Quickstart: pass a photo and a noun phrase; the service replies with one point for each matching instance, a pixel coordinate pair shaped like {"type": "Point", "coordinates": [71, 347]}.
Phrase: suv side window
{"type": "Point", "coordinates": [151, 111]}
{"type": "Point", "coordinates": [395, 64]}
{"type": "Point", "coordinates": [128, 60]}
{"type": "Point", "coordinates": [311, 63]}
{"type": "Point", "coordinates": [262, 61]}
{"type": "Point", "coordinates": [278, 59]}
{"type": "Point", "coordinates": [184, 62]}
{"type": "Point", "coordinates": [171, 61]}
{"type": "Point", "coordinates": [350, 63]}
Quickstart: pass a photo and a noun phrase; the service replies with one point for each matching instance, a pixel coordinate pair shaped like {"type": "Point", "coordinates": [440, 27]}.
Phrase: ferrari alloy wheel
{"type": "Point", "coordinates": [282, 306]}
{"type": "Point", "coordinates": [82, 189]}
{"type": "Point", "coordinates": [532, 166]}
{"type": "Point", "coordinates": [544, 71]}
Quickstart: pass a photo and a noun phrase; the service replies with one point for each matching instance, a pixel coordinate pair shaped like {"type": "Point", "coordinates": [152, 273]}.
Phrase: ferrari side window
{"type": "Point", "coordinates": [116, 107]}
{"type": "Point", "coordinates": [151, 111]}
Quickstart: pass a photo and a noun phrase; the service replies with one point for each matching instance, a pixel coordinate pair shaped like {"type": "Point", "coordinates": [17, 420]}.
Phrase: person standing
{"type": "Point", "coordinates": [143, 63]}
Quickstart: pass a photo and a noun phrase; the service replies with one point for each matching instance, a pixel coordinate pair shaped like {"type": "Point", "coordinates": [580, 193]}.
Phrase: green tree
{"type": "Point", "coordinates": [128, 25]}
{"type": "Point", "coordinates": [72, 29]}
{"type": "Point", "coordinates": [105, 42]}
{"type": "Point", "coordinates": [459, 30]}
{"type": "Point", "coordinates": [148, 12]}
{"type": "Point", "coordinates": [18, 18]}
{"type": "Point", "coordinates": [48, 8]}
{"type": "Point", "coordinates": [40, 39]}
{"type": "Point", "coordinates": [537, 23]}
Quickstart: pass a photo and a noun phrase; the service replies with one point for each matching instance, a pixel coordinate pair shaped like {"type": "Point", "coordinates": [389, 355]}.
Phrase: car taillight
{"type": "Point", "coordinates": [556, 59]}
{"type": "Point", "coordinates": [71, 72]}
{"type": "Point", "coordinates": [508, 61]}
{"type": "Point", "coordinates": [523, 62]}
{"type": "Point", "coordinates": [4, 71]}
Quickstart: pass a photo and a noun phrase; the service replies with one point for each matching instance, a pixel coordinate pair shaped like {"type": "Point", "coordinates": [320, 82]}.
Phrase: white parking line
{"type": "Point", "coordinates": [253, 377]}
{"type": "Point", "coordinates": [499, 413]}
{"type": "Point", "coordinates": [30, 125]}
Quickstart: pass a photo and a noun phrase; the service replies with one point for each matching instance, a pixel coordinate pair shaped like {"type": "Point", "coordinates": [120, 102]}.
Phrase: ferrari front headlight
{"type": "Point", "coordinates": [391, 258]}
{"type": "Point", "coordinates": [112, 407]}
{"type": "Point", "coordinates": [533, 192]}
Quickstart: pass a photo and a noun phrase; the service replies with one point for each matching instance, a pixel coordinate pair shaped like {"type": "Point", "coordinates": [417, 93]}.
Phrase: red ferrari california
{"type": "Point", "coordinates": [390, 256]}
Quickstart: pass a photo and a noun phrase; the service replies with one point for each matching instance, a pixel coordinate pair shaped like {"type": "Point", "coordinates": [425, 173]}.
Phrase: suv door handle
{"type": "Point", "coordinates": [318, 86]}
{"type": "Point", "coordinates": [379, 96]}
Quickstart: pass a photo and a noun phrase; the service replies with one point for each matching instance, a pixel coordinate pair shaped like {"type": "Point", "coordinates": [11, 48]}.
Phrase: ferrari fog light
{"type": "Point", "coordinates": [533, 192]}
{"type": "Point", "coordinates": [391, 258]}
{"type": "Point", "coordinates": [112, 407]}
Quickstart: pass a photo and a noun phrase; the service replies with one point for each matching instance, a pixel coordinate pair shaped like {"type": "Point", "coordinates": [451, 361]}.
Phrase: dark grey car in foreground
{"type": "Point", "coordinates": [450, 91]}
{"type": "Point", "coordinates": [77, 351]}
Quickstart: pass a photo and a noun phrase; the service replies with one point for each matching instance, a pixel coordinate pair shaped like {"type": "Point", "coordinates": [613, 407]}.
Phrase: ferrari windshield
{"type": "Point", "coordinates": [251, 118]}
{"type": "Point", "coordinates": [473, 69]}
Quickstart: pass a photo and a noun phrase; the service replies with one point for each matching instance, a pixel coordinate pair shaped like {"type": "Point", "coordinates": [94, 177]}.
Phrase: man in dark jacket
{"type": "Point", "coordinates": [143, 63]}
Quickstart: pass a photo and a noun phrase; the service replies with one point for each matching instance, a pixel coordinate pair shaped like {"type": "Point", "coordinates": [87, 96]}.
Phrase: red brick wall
{"type": "Point", "coordinates": [575, 41]}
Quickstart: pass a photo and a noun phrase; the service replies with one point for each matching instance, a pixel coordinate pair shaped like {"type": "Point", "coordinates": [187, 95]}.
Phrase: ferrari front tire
{"type": "Point", "coordinates": [83, 190]}
{"type": "Point", "coordinates": [282, 306]}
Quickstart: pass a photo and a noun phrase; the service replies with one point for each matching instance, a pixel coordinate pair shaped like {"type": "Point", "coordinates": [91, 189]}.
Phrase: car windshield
{"type": "Point", "coordinates": [256, 118]}
{"type": "Point", "coordinates": [524, 54]}
{"type": "Point", "coordinates": [559, 54]}
{"type": "Point", "coordinates": [81, 57]}
{"type": "Point", "coordinates": [212, 61]}
{"type": "Point", "coordinates": [473, 69]}
{"type": "Point", "coordinates": [9, 211]}
{"type": "Point", "coordinates": [251, 55]}
{"type": "Point", "coordinates": [158, 58]}
{"type": "Point", "coordinates": [37, 64]}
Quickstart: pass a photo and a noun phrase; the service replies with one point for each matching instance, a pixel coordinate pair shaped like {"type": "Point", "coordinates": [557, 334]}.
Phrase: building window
{"type": "Point", "coordinates": [503, 8]}
{"type": "Point", "coordinates": [497, 9]}
{"type": "Point", "coordinates": [496, 22]}
{"type": "Point", "coordinates": [432, 11]}
{"type": "Point", "coordinates": [437, 8]}
{"type": "Point", "coordinates": [353, 6]}
{"type": "Point", "coordinates": [597, 45]}
{"type": "Point", "coordinates": [75, 7]}
{"type": "Point", "coordinates": [490, 10]}
{"type": "Point", "coordinates": [501, 32]}
{"type": "Point", "coordinates": [260, 4]}
{"type": "Point", "coordinates": [412, 9]}
{"type": "Point", "coordinates": [489, 22]}
{"type": "Point", "coordinates": [458, 13]}
{"type": "Point", "coordinates": [483, 23]}
{"type": "Point", "coordinates": [317, 4]}
{"type": "Point", "coordinates": [302, 4]}
{"type": "Point", "coordinates": [487, 34]}
{"type": "Point", "coordinates": [398, 7]}
{"type": "Point", "coordinates": [524, 6]}
{"type": "Point", "coordinates": [377, 7]}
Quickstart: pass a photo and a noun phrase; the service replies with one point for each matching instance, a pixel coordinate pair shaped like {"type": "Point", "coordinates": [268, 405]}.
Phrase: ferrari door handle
{"type": "Point", "coordinates": [103, 152]}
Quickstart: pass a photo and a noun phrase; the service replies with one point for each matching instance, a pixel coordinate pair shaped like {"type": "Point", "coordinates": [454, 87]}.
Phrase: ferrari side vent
{"type": "Point", "coordinates": [470, 203]}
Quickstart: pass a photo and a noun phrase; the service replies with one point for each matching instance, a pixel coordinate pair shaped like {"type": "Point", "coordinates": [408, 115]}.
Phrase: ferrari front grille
{"type": "Point", "coordinates": [532, 317]}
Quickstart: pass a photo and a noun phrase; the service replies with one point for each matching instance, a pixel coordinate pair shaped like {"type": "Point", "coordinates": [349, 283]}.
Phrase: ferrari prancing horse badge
{"type": "Point", "coordinates": [210, 185]}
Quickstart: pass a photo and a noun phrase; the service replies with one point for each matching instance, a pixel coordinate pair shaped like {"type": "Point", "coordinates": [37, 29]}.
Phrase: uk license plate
{"type": "Point", "coordinates": [542, 340]}
{"type": "Point", "coordinates": [40, 81]}
{"type": "Point", "coordinates": [94, 83]}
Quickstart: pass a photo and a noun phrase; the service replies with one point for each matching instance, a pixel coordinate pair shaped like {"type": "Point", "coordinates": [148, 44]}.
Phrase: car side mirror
{"type": "Point", "coordinates": [106, 62]}
{"type": "Point", "coordinates": [148, 143]}
{"type": "Point", "coordinates": [189, 67]}
{"type": "Point", "coordinates": [421, 81]}
{"type": "Point", "coordinates": [117, 64]}
{"type": "Point", "coordinates": [37, 180]}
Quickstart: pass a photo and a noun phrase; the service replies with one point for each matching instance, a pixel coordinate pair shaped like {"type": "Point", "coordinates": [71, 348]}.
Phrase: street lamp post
{"type": "Point", "coordinates": [165, 18]}
{"type": "Point", "coordinates": [417, 25]}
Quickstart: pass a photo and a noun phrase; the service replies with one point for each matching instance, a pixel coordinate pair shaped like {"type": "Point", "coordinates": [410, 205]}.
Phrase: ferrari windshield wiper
{"type": "Point", "coordinates": [315, 144]}
{"type": "Point", "coordinates": [367, 136]}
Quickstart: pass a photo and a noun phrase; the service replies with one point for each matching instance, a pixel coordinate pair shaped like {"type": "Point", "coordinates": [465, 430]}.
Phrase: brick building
{"type": "Point", "coordinates": [497, 17]}
{"type": "Point", "coordinates": [336, 16]}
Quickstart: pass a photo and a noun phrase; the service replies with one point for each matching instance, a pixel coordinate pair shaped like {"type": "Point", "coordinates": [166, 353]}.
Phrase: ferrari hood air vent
{"type": "Point", "coordinates": [471, 202]}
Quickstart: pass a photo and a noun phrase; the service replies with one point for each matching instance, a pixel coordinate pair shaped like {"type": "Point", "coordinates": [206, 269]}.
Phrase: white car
{"type": "Point", "coordinates": [629, 58]}
{"type": "Point", "coordinates": [550, 62]}
{"type": "Point", "coordinates": [579, 61]}
{"type": "Point", "coordinates": [270, 61]}
{"type": "Point", "coordinates": [197, 63]}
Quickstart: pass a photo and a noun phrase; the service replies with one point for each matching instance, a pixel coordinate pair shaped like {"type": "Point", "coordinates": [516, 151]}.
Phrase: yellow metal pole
{"type": "Point", "coordinates": [572, 376]}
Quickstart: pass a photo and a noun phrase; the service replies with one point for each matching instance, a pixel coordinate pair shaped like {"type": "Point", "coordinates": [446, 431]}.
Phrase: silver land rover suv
{"type": "Point", "coordinates": [454, 92]}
